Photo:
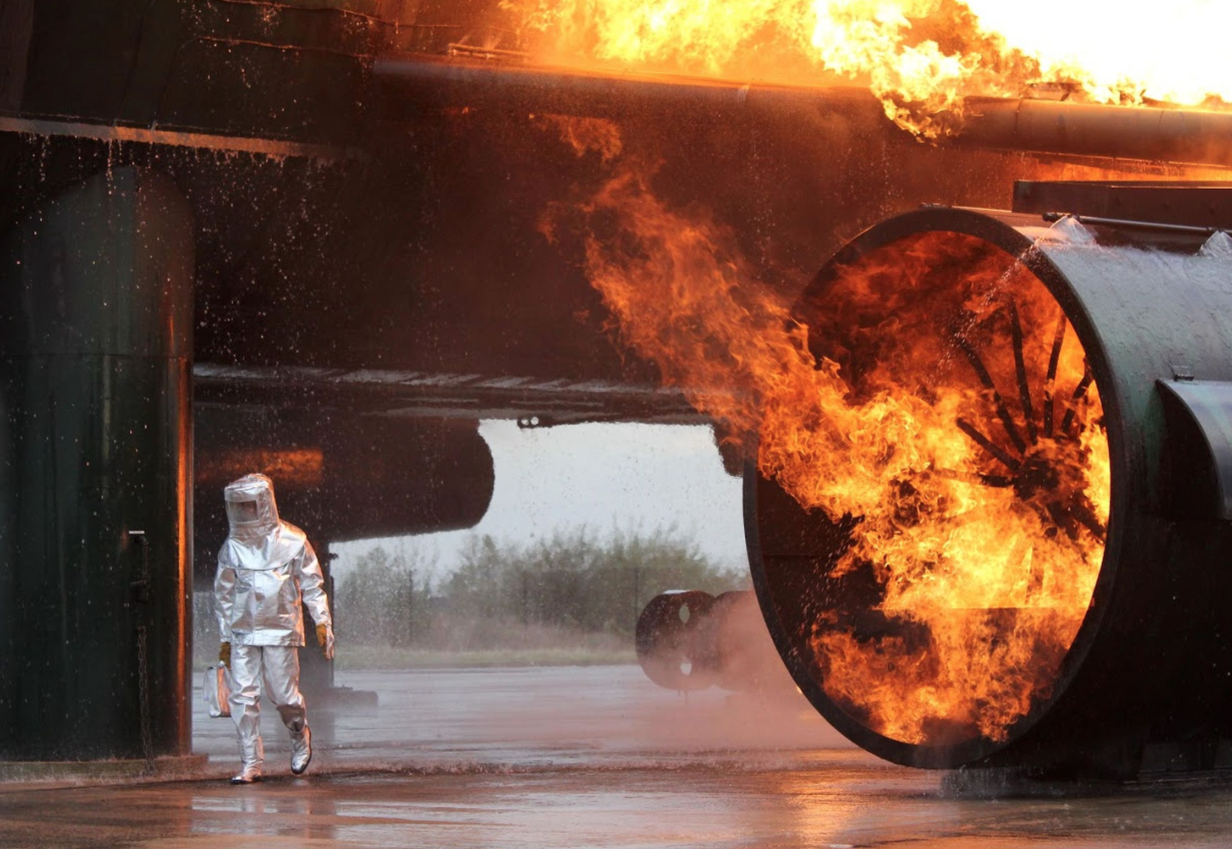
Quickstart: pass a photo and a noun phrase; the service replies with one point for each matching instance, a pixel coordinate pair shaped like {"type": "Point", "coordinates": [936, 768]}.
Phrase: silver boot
{"type": "Point", "coordinates": [250, 775]}
{"type": "Point", "coordinates": [252, 750]}
{"type": "Point", "coordinates": [301, 750]}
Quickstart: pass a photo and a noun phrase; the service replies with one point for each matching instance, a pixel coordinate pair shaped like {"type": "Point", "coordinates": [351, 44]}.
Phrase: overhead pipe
{"type": "Point", "coordinates": [545, 88]}
{"type": "Point", "coordinates": [1154, 134]}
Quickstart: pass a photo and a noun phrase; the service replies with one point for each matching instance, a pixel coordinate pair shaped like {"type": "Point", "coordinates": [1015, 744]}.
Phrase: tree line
{"type": "Point", "coordinates": [574, 582]}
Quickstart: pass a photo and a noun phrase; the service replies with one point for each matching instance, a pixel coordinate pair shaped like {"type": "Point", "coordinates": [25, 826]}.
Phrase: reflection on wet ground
{"type": "Point", "coordinates": [601, 716]}
{"type": "Point", "coordinates": [575, 758]}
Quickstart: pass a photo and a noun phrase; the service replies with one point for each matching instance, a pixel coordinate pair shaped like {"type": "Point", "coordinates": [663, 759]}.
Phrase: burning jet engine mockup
{"type": "Point", "coordinates": [1048, 587]}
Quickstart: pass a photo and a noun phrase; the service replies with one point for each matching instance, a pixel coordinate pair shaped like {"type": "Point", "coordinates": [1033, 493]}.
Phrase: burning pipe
{"type": "Point", "coordinates": [1056, 596]}
{"type": "Point", "coordinates": [1172, 135]}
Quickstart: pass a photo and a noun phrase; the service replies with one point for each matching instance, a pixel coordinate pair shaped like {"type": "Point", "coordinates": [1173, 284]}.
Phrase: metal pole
{"type": "Point", "coordinates": [525, 599]}
{"type": "Point", "coordinates": [410, 607]}
{"type": "Point", "coordinates": [637, 592]}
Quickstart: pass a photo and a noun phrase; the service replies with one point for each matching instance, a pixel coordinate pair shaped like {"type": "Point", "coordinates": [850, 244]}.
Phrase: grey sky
{"type": "Point", "coordinates": [606, 477]}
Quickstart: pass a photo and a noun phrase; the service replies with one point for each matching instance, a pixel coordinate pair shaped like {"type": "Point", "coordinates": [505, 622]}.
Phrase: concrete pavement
{"type": "Point", "coordinates": [576, 758]}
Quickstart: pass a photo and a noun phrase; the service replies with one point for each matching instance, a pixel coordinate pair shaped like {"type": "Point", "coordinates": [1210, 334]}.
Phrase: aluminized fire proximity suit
{"type": "Point", "coordinates": [265, 568]}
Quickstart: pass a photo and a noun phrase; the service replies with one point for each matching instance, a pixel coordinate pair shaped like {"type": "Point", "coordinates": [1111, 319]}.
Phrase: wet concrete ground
{"type": "Point", "coordinates": [579, 758]}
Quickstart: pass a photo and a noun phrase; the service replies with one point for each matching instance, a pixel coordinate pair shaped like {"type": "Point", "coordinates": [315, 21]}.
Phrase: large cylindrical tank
{"type": "Point", "coordinates": [95, 468]}
{"type": "Point", "coordinates": [341, 475]}
{"type": "Point", "coordinates": [1045, 583]}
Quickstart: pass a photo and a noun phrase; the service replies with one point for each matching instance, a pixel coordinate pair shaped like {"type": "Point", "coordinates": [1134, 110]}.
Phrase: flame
{"type": "Point", "coordinates": [984, 555]}
{"type": "Point", "coordinates": [986, 570]}
{"type": "Point", "coordinates": [920, 57]}
{"type": "Point", "coordinates": [1174, 58]}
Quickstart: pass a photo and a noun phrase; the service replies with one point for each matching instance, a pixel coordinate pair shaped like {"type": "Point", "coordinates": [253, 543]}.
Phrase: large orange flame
{"type": "Point", "coordinates": [935, 395]}
{"type": "Point", "coordinates": [983, 513]}
{"type": "Point", "coordinates": [921, 57]}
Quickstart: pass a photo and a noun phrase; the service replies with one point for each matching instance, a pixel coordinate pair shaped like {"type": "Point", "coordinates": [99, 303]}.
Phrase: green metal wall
{"type": "Point", "coordinates": [95, 447]}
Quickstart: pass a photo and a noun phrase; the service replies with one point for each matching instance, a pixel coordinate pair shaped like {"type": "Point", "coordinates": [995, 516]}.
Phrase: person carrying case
{"type": "Point", "coordinates": [217, 688]}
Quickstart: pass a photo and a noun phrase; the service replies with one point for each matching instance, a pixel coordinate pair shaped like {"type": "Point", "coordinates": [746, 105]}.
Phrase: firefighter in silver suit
{"type": "Point", "coordinates": [265, 569]}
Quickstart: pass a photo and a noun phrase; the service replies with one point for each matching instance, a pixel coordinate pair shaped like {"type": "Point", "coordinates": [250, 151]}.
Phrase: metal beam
{"type": "Point", "coordinates": [426, 394]}
{"type": "Point", "coordinates": [173, 138]}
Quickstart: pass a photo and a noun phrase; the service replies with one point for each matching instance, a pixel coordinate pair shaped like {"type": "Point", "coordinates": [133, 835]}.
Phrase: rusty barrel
{"type": "Point", "coordinates": [1071, 387]}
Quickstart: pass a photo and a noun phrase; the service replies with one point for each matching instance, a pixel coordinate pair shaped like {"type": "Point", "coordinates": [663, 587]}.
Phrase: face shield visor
{"type": "Point", "coordinates": [242, 512]}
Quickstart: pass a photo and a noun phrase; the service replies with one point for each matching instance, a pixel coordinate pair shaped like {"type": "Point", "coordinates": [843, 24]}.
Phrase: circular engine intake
{"type": "Point", "coordinates": [1019, 554]}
